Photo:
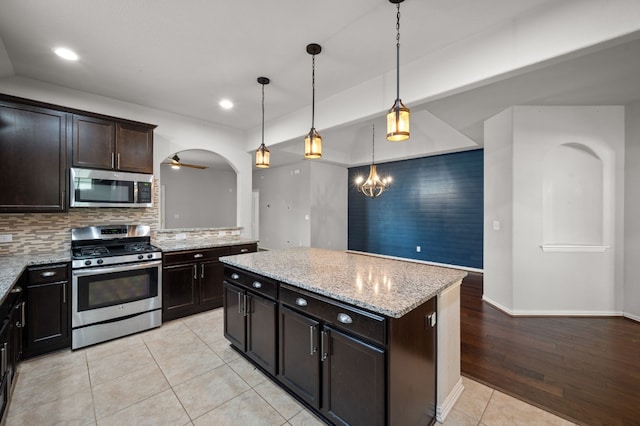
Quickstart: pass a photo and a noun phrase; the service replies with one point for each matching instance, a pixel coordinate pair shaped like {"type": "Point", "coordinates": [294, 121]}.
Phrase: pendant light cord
{"type": "Point", "coordinates": [262, 114]}
{"type": "Point", "coordinates": [373, 144]}
{"type": "Point", "coordinates": [313, 90]}
{"type": "Point", "coordinates": [398, 52]}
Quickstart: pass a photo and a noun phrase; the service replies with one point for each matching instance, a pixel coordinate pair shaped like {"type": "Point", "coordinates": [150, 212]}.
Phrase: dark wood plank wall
{"type": "Point", "coordinates": [584, 369]}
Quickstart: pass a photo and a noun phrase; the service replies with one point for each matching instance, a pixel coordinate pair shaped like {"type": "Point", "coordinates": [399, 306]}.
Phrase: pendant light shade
{"type": "Point", "coordinates": [262, 154]}
{"type": "Point", "coordinates": [398, 115]}
{"type": "Point", "coordinates": [313, 140]}
{"type": "Point", "coordinates": [374, 185]}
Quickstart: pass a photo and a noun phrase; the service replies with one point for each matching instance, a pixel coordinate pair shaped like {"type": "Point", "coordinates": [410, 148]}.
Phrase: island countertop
{"type": "Point", "coordinates": [386, 286]}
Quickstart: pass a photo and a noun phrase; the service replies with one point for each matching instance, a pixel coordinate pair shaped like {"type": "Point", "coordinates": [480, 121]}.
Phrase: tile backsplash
{"type": "Point", "coordinates": [51, 232]}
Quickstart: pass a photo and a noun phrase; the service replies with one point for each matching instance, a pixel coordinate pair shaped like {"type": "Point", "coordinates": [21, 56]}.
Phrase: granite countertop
{"type": "Point", "coordinates": [179, 245]}
{"type": "Point", "coordinates": [11, 267]}
{"type": "Point", "coordinates": [386, 286]}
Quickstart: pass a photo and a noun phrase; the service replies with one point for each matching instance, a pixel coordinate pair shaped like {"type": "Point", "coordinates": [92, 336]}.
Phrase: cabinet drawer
{"type": "Point", "coordinates": [244, 248]}
{"type": "Point", "coordinates": [191, 256]}
{"type": "Point", "coordinates": [256, 283]}
{"type": "Point", "coordinates": [48, 273]}
{"type": "Point", "coordinates": [348, 318]}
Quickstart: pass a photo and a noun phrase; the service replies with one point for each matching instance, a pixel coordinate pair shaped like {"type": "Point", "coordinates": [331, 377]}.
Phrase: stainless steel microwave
{"type": "Point", "coordinates": [103, 188]}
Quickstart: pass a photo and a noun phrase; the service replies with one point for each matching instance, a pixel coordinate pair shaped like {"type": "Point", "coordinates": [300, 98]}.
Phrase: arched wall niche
{"type": "Point", "coordinates": [577, 185]}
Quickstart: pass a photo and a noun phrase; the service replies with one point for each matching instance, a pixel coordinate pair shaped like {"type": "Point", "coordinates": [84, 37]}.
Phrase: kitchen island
{"type": "Point", "coordinates": [358, 338]}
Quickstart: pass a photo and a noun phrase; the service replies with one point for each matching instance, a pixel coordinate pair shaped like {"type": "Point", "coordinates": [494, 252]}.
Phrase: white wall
{"type": "Point", "coordinates": [632, 213]}
{"type": "Point", "coordinates": [329, 206]}
{"type": "Point", "coordinates": [174, 132]}
{"type": "Point", "coordinates": [304, 204]}
{"type": "Point", "coordinates": [284, 205]}
{"type": "Point", "coordinates": [570, 277]}
{"type": "Point", "coordinates": [498, 202]}
{"type": "Point", "coordinates": [199, 198]}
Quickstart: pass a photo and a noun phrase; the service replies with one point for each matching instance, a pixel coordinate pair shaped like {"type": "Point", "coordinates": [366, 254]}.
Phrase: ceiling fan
{"type": "Point", "coordinates": [175, 163]}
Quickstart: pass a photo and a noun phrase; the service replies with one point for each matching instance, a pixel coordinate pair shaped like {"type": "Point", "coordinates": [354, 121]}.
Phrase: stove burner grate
{"type": "Point", "coordinates": [94, 251]}
{"type": "Point", "coordinates": [136, 248]}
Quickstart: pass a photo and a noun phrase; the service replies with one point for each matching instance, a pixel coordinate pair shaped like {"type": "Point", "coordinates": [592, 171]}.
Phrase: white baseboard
{"type": "Point", "coordinates": [497, 305]}
{"type": "Point", "coordinates": [442, 411]}
{"type": "Point", "coordinates": [632, 317]}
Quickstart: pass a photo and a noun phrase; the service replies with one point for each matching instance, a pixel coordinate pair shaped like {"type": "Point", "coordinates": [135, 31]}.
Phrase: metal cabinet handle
{"type": "Point", "coordinates": [239, 303]}
{"type": "Point", "coordinates": [431, 320]}
{"type": "Point", "coordinates": [22, 319]}
{"type": "Point", "coordinates": [244, 250]}
{"type": "Point", "coordinates": [118, 163]}
{"type": "Point", "coordinates": [195, 272]}
{"type": "Point", "coordinates": [198, 255]}
{"type": "Point", "coordinates": [113, 156]}
{"type": "Point", "coordinates": [245, 305]}
{"type": "Point", "coordinates": [312, 347]}
{"type": "Point", "coordinates": [323, 347]}
{"type": "Point", "coordinates": [257, 284]}
{"type": "Point", "coordinates": [235, 276]}
{"type": "Point", "coordinates": [301, 302]}
{"type": "Point", "coordinates": [202, 271]}
{"type": "Point", "coordinates": [47, 274]}
{"type": "Point", "coordinates": [64, 292]}
{"type": "Point", "coordinates": [16, 290]}
{"type": "Point", "coordinates": [4, 359]}
{"type": "Point", "coordinates": [344, 318]}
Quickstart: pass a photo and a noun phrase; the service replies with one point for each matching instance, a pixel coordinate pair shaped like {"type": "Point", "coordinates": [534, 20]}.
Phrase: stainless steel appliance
{"type": "Point", "coordinates": [116, 283]}
{"type": "Point", "coordinates": [103, 188]}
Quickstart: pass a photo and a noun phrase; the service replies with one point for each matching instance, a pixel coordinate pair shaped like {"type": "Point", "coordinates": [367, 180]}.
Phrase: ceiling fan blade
{"type": "Point", "coordinates": [194, 166]}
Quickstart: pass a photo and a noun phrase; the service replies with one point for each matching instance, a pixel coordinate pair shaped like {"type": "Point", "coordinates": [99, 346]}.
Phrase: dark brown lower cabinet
{"type": "Point", "coordinates": [350, 366]}
{"type": "Point", "coordinates": [300, 355]}
{"type": "Point", "coordinates": [250, 324]}
{"type": "Point", "coordinates": [48, 310]}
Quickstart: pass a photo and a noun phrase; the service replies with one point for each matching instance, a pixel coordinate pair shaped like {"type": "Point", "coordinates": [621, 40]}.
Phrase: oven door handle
{"type": "Point", "coordinates": [115, 268]}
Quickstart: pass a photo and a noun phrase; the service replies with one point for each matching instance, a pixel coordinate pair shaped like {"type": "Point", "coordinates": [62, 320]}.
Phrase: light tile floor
{"type": "Point", "coordinates": [184, 373]}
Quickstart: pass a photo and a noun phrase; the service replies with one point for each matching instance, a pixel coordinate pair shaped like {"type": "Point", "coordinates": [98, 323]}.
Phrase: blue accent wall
{"type": "Point", "coordinates": [434, 202]}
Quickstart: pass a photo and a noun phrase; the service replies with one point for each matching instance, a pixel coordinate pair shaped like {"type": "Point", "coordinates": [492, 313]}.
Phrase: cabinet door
{"type": "Point", "coordinates": [261, 331]}
{"type": "Point", "coordinates": [179, 290]}
{"type": "Point", "coordinates": [299, 355]}
{"type": "Point", "coordinates": [134, 148]}
{"type": "Point", "coordinates": [33, 147]}
{"type": "Point", "coordinates": [93, 143]}
{"type": "Point", "coordinates": [211, 278]}
{"type": "Point", "coordinates": [234, 315]}
{"type": "Point", "coordinates": [353, 375]}
{"type": "Point", "coordinates": [16, 336]}
{"type": "Point", "coordinates": [47, 318]}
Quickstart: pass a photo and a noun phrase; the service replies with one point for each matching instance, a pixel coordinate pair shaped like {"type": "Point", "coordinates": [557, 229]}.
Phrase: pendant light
{"type": "Point", "coordinates": [398, 115]}
{"type": "Point", "coordinates": [374, 186]}
{"type": "Point", "coordinates": [313, 140]}
{"type": "Point", "coordinates": [262, 154]}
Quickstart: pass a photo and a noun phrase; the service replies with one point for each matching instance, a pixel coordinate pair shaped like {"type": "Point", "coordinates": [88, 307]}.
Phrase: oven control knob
{"type": "Point", "coordinates": [100, 261]}
{"type": "Point", "coordinates": [140, 257]}
{"type": "Point", "coordinates": [150, 256]}
{"type": "Point", "coordinates": [87, 262]}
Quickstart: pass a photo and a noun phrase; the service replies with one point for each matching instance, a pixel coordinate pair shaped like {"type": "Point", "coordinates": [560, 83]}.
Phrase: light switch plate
{"type": "Point", "coordinates": [6, 238]}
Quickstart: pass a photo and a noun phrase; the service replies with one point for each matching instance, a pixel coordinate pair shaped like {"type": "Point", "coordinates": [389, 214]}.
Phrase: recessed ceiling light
{"type": "Point", "coordinates": [65, 53]}
{"type": "Point", "coordinates": [226, 104]}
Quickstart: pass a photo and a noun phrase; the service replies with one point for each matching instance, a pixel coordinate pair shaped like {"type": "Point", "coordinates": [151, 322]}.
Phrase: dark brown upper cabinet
{"type": "Point", "coordinates": [106, 144]}
{"type": "Point", "coordinates": [33, 148]}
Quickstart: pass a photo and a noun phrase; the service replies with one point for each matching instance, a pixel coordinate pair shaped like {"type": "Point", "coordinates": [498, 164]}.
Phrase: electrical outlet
{"type": "Point", "coordinates": [181, 236]}
{"type": "Point", "coordinates": [6, 238]}
{"type": "Point", "coordinates": [496, 225]}
{"type": "Point", "coordinates": [418, 248]}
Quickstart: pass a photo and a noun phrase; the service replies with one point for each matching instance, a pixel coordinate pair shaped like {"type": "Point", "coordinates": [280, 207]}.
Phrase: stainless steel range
{"type": "Point", "coordinates": [116, 283]}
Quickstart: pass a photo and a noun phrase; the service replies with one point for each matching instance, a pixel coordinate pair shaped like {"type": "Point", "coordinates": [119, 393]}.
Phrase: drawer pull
{"type": "Point", "coordinates": [344, 318]}
{"type": "Point", "coordinates": [257, 284]}
{"type": "Point", "coordinates": [244, 250]}
{"type": "Point", "coordinates": [48, 274]}
{"type": "Point", "coordinates": [16, 290]}
{"type": "Point", "coordinates": [235, 276]}
{"type": "Point", "coordinates": [301, 302]}
{"type": "Point", "coordinates": [198, 255]}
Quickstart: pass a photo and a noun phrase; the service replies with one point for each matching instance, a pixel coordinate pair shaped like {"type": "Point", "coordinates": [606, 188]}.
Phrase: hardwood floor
{"type": "Point", "coordinates": [586, 370]}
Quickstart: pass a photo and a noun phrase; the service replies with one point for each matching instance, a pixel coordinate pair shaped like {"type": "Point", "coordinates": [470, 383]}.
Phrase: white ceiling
{"type": "Point", "coordinates": [184, 56]}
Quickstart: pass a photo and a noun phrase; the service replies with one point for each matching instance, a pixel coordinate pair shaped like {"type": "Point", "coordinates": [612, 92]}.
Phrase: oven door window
{"type": "Point", "coordinates": [93, 190]}
{"type": "Point", "coordinates": [116, 288]}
